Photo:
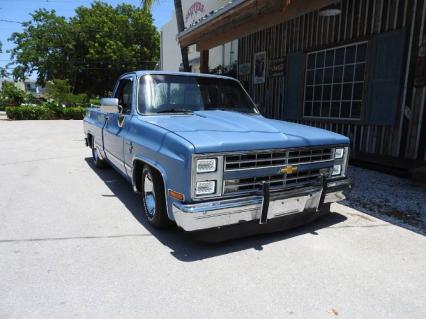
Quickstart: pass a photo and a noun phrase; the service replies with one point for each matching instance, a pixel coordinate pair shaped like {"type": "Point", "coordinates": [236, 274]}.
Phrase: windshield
{"type": "Point", "coordinates": [177, 93]}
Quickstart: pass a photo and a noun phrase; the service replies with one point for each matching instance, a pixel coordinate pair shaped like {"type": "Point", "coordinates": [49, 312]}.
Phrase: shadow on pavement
{"type": "Point", "coordinates": [184, 247]}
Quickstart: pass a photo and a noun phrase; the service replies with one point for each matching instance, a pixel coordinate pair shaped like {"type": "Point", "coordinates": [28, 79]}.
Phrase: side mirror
{"type": "Point", "coordinates": [109, 105]}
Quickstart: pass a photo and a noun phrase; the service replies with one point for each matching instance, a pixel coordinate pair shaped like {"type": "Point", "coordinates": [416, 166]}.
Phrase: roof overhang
{"type": "Point", "coordinates": [243, 17]}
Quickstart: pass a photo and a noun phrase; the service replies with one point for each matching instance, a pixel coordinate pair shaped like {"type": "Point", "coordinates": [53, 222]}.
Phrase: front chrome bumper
{"type": "Point", "coordinates": [213, 214]}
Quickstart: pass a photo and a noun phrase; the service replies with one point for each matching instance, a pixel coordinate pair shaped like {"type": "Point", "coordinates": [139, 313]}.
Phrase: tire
{"type": "Point", "coordinates": [97, 160]}
{"type": "Point", "coordinates": [153, 198]}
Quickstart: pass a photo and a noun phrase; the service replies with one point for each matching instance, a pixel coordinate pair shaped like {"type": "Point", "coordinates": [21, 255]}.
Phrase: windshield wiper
{"type": "Point", "coordinates": [173, 110]}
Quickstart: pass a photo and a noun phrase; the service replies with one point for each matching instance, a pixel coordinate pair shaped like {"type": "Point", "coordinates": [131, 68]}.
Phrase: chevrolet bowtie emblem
{"type": "Point", "coordinates": [288, 170]}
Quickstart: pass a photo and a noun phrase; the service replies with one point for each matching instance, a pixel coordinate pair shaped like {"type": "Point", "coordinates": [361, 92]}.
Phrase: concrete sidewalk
{"type": "Point", "coordinates": [74, 244]}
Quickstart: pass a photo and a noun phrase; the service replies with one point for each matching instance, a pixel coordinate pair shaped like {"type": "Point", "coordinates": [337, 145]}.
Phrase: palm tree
{"type": "Point", "coordinates": [147, 5]}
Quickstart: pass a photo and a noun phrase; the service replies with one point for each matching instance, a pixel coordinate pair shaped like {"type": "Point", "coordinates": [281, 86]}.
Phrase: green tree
{"type": "Point", "coordinates": [44, 47]}
{"type": "Point", "coordinates": [147, 6]}
{"type": "Point", "coordinates": [90, 50]}
{"type": "Point", "coordinates": [3, 71]}
{"type": "Point", "coordinates": [10, 94]}
{"type": "Point", "coordinates": [60, 91]}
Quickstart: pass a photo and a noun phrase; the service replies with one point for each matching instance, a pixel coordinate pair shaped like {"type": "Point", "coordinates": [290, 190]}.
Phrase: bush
{"type": "Point", "coordinates": [29, 112]}
{"type": "Point", "coordinates": [35, 112]}
{"type": "Point", "coordinates": [74, 113]}
{"type": "Point", "coordinates": [54, 108]}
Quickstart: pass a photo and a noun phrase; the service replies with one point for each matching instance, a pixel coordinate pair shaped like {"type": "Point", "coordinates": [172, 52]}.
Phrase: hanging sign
{"type": "Point", "coordinates": [259, 67]}
{"type": "Point", "coordinates": [277, 67]}
{"type": "Point", "coordinates": [195, 10]}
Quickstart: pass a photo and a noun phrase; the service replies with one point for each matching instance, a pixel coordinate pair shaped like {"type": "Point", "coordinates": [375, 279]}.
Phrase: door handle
{"type": "Point", "coordinates": [120, 121]}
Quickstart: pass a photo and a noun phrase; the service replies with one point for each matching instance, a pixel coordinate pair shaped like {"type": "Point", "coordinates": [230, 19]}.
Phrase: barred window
{"type": "Point", "coordinates": [334, 82]}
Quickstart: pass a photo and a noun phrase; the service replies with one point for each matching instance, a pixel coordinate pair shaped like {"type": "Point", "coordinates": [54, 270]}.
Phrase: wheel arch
{"type": "Point", "coordinates": [138, 164]}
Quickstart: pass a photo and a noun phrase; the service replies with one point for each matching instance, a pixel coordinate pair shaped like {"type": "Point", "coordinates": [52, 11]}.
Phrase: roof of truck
{"type": "Point", "coordinates": [147, 72]}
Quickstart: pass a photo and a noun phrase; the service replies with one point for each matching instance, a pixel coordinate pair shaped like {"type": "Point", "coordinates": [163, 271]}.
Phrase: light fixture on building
{"type": "Point", "coordinates": [330, 11]}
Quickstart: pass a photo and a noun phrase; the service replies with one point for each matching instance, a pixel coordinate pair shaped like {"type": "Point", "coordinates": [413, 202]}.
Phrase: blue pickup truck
{"type": "Point", "coordinates": [200, 154]}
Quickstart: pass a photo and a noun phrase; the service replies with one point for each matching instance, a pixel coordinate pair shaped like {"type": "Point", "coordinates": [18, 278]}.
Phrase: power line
{"type": "Point", "coordinates": [10, 21]}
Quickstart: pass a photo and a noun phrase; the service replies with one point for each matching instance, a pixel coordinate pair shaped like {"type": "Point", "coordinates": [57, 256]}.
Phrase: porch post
{"type": "Point", "coordinates": [204, 61]}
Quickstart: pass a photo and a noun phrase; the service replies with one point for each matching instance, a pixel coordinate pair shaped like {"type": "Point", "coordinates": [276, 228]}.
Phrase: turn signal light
{"type": "Point", "coordinates": [176, 195]}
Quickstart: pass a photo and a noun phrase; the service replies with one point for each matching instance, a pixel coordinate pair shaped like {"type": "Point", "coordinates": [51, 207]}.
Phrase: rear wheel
{"type": "Point", "coordinates": [153, 198]}
{"type": "Point", "coordinates": [97, 160]}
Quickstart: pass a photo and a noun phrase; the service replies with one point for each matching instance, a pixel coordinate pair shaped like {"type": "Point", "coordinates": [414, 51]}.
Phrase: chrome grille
{"type": "Point", "coordinates": [275, 181]}
{"type": "Point", "coordinates": [276, 158]}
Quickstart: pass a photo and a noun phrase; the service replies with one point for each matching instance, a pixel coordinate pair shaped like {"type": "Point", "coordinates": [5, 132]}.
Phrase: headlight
{"type": "Point", "coordinates": [206, 165]}
{"type": "Point", "coordinates": [339, 152]}
{"type": "Point", "coordinates": [205, 188]}
{"type": "Point", "coordinates": [340, 162]}
{"type": "Point", "coordinates": [337, 169]}
{"type": "Point", "coordinates": [206, 176]}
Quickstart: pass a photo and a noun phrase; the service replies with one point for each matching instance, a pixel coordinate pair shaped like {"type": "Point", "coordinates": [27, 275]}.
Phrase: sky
{"type": "Point", "coordinates": [19, 10]}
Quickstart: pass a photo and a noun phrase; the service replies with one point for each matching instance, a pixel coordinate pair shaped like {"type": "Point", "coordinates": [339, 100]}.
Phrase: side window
{"type": "Point", "coordinates": [124, 95]}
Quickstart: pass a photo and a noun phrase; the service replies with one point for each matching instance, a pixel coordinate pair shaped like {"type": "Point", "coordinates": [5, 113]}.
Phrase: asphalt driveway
{"type": "Point", "coordinates": [73, 244]}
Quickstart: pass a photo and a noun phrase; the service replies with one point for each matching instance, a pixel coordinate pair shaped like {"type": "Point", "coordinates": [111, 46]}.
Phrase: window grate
{"type": "Point", "coordinates": [335, 81]}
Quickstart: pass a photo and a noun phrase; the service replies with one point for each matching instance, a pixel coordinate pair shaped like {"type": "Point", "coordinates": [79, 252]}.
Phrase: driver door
{"type": "Point", "coordinates": [116, 128]}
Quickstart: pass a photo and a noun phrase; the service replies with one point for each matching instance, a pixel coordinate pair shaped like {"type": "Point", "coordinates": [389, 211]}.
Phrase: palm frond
{"type": "Point", "coordinates": [147, 4]}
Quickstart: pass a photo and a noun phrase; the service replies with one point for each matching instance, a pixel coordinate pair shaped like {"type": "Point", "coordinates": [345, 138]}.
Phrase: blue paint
{"type": "Point", "coordinates": [224, 131]}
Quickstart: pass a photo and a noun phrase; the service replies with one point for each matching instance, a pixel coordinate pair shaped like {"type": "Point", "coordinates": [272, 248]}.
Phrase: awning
{"type": "Point", "coordinates": [242, 17]}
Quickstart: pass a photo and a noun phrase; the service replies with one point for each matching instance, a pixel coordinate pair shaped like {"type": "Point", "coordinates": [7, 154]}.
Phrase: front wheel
{"type": "Point", "coordinates": [153, 198]}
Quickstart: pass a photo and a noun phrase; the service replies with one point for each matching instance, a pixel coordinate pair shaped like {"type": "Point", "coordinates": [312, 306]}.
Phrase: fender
{"type": "Point", "coordinates": [158, 167]}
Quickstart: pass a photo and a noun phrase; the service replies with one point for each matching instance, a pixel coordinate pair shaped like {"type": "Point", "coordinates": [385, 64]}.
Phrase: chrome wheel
{"type": "Point", "coordinates": [149, 195]}
{"type": "Point", "coordinates": [95, 153]}
{"type": "Point", "coordinates": [153, 198]}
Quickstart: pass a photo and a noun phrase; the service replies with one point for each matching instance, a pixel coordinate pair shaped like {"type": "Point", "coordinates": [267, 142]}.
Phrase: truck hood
{"type": "Point", "coordinates": [224, 131]}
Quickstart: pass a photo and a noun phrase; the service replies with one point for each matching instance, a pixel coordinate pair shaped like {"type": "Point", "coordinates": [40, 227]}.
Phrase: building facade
{"type": "Point", "coordinates": [224, 56]}
{"type": "Point", "coordinates": [358, 70]}
{"type": "Point", "coordinates": [29, 86]}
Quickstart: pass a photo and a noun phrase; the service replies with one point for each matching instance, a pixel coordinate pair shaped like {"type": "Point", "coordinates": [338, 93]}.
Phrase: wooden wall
{"type": "Point", "coordinates": [360, 19]}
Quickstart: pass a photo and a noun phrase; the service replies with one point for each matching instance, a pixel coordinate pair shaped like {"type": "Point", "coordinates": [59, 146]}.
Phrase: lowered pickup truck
{"type": "Point", "coordinates": [200, 154]}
